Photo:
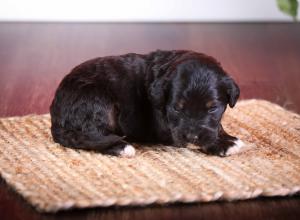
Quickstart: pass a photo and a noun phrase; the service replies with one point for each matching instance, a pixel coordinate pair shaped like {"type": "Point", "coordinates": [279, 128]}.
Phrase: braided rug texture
{"type": "Point", "coordinates": [52, 178]}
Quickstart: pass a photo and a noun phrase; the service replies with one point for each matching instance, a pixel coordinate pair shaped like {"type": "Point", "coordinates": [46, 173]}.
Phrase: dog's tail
{"type": "Point", "coordinates": [88, 141]}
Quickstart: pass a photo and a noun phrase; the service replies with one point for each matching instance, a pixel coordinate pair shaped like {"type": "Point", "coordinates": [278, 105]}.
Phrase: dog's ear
{"type": "Point", "coordinates": [232, 90]}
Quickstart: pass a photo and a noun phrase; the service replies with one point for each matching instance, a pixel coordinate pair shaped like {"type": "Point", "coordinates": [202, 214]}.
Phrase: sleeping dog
{"type": "Point", "coordinates": [165, 97]}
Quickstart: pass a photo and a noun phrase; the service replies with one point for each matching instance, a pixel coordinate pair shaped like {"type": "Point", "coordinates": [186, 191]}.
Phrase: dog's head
{"type": "Point", "coordinates": [194, 99]}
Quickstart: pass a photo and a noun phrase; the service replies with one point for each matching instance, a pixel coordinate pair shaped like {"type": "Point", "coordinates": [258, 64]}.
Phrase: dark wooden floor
{"type": "Point", "coordinates": [263, 58]}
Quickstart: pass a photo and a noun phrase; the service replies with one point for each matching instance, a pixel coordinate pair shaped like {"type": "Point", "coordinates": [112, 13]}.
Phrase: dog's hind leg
{"type": "Point", "coordinates": [120, 150]}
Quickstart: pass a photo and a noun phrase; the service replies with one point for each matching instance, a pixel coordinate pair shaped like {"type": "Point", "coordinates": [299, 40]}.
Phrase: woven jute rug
{"type": "Point", "coordinates": [52, 178]}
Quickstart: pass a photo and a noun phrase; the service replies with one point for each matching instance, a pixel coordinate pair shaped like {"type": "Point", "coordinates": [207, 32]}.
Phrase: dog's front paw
{"type": "Point", "coordinates": [225, 146]}
{"type": "Point", "coordinates": [237, 147]}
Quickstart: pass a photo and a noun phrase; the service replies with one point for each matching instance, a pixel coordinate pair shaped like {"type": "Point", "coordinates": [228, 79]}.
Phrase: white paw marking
{"type": "Point", "coordinates": [236, 148]}
{"type": "Point", "coordinates": [127, 151]}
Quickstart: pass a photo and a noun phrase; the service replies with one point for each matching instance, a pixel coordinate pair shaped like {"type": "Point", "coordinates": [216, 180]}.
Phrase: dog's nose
{"type": "Point", "coordinates": [192, 137]}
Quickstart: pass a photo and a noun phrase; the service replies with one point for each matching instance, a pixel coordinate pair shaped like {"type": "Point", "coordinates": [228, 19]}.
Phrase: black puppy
{"type": "Point", "coordinates": [168, 97]}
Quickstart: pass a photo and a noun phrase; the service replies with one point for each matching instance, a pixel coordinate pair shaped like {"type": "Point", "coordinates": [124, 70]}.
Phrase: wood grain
{"type": "Point", "coordinates": [263, 58]}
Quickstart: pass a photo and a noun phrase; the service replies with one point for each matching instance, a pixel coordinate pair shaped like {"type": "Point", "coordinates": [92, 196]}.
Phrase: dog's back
{"type": "Point", "coordinates": [87, 102]}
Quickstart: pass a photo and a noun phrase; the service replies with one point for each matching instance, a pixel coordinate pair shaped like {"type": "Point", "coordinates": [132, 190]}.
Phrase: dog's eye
{"type": "Point", "coordinates": [212, 109]}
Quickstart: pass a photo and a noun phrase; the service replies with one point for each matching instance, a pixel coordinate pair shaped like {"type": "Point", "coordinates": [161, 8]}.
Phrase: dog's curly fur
{"type": "Point", "coordinates": [168, 97]}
